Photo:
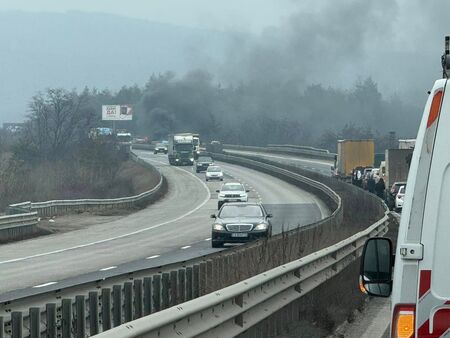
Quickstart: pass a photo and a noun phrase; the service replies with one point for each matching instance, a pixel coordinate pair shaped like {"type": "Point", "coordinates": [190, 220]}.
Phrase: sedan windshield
{"type": "Point", "coordinates": [204, 159]}
{"type": "Point", "coordinates": [241, 211]}
{"type": "Point", "coordinates": [214, 169]}
{"type": "Point", "coordinates": [232, 187]}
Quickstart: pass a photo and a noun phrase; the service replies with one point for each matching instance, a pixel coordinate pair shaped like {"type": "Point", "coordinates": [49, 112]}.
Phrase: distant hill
{"type": "Point", "coordinates": [76, 49]}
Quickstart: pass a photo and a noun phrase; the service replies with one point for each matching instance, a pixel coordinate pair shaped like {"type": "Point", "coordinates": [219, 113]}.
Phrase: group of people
{"type": "Point", "coordinates": [369, 181]}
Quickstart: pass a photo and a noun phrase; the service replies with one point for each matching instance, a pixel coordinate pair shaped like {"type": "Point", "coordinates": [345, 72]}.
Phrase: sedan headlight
{"type": "Point", "coordinates": [192, 159]}
{"type": "Point", "coordinates": [243, 195]}
{"type": "Point", "coordinates": [218, 227]}
{"type": "Point", "coordinates": [220, 174]}
{"type": "Point", "coordinates": [262, 226]}
{"type": "Point", "coordinates": [176, 159]}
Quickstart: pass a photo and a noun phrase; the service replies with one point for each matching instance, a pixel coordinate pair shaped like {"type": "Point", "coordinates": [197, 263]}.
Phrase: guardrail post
{"type": "Point", "coordinates": [202, 279]}
{"type": "Point", "coordinates": [93, 313]}
{"type": "Point", "coordinates": [2, 327]}
{"type": "Point", "coordinates": [196, 282]}
{"type": "Point", "coordinates": [128, 301]}
{"type": "Point", "coordinates": [165, 291]}
{"type": "Point", "coordinates": [16, 324]}
{"type": "Point", "coordinates": [66, 318]}
{"type": "Point", "coordinates": [50, 315]}
{"type": "Point", "coordinates": [189, 271]}
{"type": "Point", "coordinates": [157, 292]}
{"type": "Point", "coordinates": [80, 322]}
{"type": "Point", "coordinates": [209, 276]}
{"type": "Point", "coordinates": [106, 309]}
{"type": "Point", "coordinates": [147, 296]}
{"type": "Point", "coordinates": [34, 322]}
{"type": "Point", "coordinates": [117, 305]}
{"type": "Point", "coordinates": [137, 298]}
{"type": "Point", "coordinates": [181, 286]}
{"type": "Point", "coordinates": [173, 288]}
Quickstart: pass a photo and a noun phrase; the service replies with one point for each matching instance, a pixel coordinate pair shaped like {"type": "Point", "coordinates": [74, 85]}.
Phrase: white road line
{"type": "Point", "coordinates": [207, 239]}
{"type": "Point", "coordinates": [208, 197]}
{"type": "Point", "coordinates": [45, 284]}
{"type": "Point", "coordinates": [185, 247]}
{"type": "Point", "coordinates": [108, 268]}
{"type": "Point", "coordinates": [154, 256]}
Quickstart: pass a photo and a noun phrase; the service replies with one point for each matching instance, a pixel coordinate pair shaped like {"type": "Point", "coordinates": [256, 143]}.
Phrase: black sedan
{"type": "Point", "coordinates": [239, 223]}
{"type": "Point", "coordinates": [202, 163]}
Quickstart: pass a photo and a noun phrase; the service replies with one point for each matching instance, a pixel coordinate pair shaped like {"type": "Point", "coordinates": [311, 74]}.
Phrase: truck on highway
{"type": "Point", "coordinates": [397, 162]}
{"type": "Point", "coordinates": [353, 154]}
{"type": "Point", "coordinates": [419, 286]}
{"type": "Point", "coordinates": [180, 149]}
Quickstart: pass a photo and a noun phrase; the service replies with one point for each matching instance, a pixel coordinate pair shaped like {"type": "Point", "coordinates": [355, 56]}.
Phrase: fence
{"type": "Point", "coordinates": [18, 226]}
{"type": "Point", "coordinates": [100, 310]}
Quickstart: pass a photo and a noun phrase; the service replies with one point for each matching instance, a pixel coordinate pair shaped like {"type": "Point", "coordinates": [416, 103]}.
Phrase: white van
{"type": "Point", "coordinates": [420, 286]}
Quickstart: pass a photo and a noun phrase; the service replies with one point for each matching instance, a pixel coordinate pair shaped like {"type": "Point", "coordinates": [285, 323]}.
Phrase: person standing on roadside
{"type": "Point", "coordinates": [371, 184]}
{"type": "Point", "coordinates": [380, 187]}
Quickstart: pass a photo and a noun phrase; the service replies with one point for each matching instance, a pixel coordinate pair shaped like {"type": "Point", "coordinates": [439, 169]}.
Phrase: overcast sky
{"type": "Point", "coordinates": [241, 15]}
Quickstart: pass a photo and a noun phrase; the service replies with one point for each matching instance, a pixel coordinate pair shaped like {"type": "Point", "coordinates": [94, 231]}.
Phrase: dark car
{"type": "Point", "coordinates": [160, 148]}
{"type": "Point", "coordinates": [240, 223]}
{"type": "Point", "coordinates": [202, 163]}
{"type": "Point", "coordinates": [392, 193]}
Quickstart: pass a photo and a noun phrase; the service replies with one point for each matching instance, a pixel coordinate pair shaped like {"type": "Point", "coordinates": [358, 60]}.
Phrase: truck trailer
{"type": "Point", "coordinates": [352, 154]}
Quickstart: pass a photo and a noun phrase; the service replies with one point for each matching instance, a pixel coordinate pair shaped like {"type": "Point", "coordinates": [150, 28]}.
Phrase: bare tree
{"type": "Point", "coordinates": [54, 120]}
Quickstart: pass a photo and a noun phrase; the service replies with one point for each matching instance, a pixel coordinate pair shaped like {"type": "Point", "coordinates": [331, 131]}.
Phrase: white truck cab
{"type": "Point", "coordinates": [419, 281]}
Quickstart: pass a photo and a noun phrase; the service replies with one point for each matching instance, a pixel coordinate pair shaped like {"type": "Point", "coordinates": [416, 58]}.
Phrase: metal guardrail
{"type": "Point", "coordinates": [285, 149]}
{"type": "Point", "coordinates": [25, 219]}
{"type": "Point", "coordinates": [231, 311]}
{"type": "Point", "coordinates": [54, 207]}
{"type": "Point", "coordinates": [294, 146]}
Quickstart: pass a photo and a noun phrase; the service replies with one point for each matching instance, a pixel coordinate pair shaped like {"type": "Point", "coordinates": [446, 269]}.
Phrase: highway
{"type": "Point", "coordinates": [172, 229]}
{"type": "Point", "coordinates": [317, 165]}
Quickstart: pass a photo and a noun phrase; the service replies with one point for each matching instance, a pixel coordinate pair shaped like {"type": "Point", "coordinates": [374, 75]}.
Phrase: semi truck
{"type": "Point", "coordinates": [353, 154]}
{"type": "Point", "coordinates": [397, 165]}
{"type": "Point", "coordinates": [180, 149]}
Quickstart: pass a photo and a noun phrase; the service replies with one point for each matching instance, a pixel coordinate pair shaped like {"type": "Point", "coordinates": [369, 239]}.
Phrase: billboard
{"type": "Point", "coordinates": [117, 113]}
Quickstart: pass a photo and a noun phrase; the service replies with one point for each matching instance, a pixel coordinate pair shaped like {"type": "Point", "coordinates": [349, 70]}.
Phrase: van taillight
{"type": "Point", "coordinates": [403, 321]}
{"type": "Point", "coordinates": [435, 108]}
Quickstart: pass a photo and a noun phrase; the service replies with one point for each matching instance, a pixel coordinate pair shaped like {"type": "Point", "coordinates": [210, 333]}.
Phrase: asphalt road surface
{"type": "Point", "coordinates": [173, 228]}
{"type": "Point", "coordinates": [317, 165]}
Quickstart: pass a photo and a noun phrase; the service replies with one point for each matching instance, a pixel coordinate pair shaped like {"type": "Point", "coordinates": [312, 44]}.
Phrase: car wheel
{"type": "Point", "coordinates": [217, 244]}
{"type": "Point", "coordinates": [221, 179]}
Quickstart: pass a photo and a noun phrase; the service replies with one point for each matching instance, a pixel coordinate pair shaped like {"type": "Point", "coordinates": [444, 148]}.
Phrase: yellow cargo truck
{"type": "Point", "coordinates": [352, 154]}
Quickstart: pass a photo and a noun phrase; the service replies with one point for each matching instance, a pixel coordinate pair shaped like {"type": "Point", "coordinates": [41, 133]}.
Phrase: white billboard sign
{"type": "Point", "coordinates": [117, 113]}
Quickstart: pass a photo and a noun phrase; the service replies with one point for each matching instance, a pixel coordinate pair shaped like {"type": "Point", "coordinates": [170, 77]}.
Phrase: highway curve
{"type": "Point", "coordinates": [172, 229]}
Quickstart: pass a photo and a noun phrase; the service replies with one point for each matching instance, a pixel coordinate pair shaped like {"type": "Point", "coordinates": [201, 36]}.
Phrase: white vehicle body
{"type": "Point", "coordinates": [214, 172]}
{"type": "Point", "coordinates": [399, 198]}
{"type": "Point", "coordinates": [232, 192]}
{"type": "Point", "coordinates": [421, 282]}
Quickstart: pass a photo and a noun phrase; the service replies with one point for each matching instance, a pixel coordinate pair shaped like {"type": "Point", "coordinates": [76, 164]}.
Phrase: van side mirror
{"type": "Point", "coordinates": [218, 191]}
{"type": "Point", "coordinates": [213, 216]}
{"type": "Point", "coordinates": [269, 215]}
{"type": "Point", "coordinates": [375, 277]}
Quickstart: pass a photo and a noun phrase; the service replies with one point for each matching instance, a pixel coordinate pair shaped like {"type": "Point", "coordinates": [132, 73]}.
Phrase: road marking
{"type": "Point", "coordinates": [45, 284]}
{"type": "Point", "coordinates": [208, 197]}
{"type": "Point", "coordinates": [207, 239]}
{"type": "Point", "coordinates": [154, 256]}
{"type": "Point", "coordinates": [185, 247]}
{"type": "Point", "coordinates": [108, 268]}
